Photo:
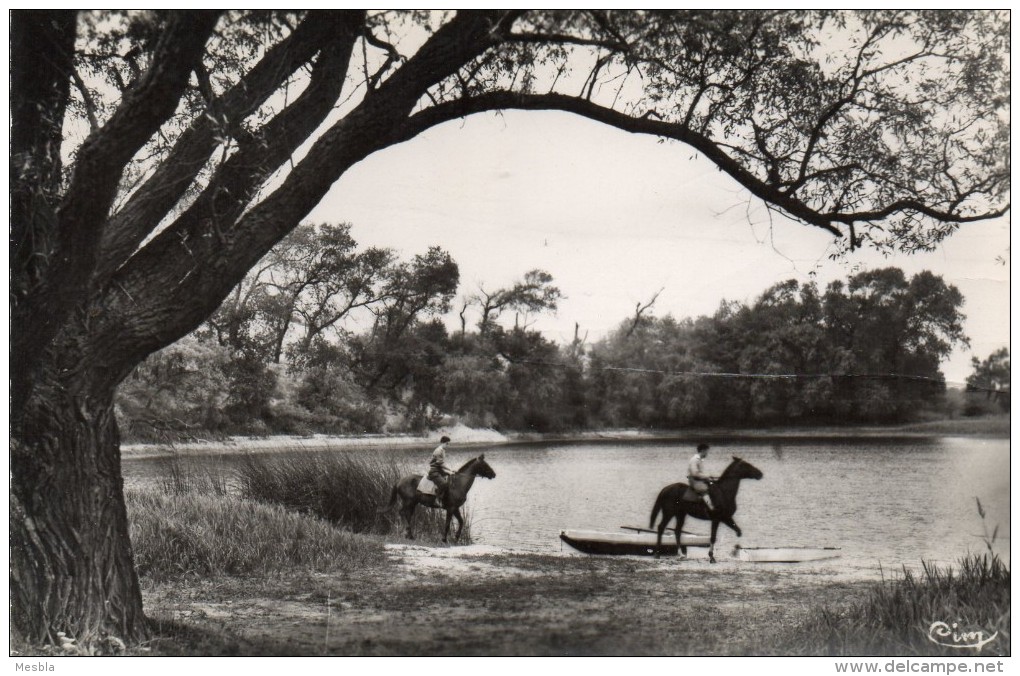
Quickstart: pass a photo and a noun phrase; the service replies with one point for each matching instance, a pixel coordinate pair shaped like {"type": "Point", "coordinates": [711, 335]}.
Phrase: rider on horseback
{"type": "Point", "coordinates": [700, 481]}
{"type": "Point", "coordinates": [438, 470]}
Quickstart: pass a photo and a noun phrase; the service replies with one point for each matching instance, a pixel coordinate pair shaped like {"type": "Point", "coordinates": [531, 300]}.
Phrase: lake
{"type": "Point", "coordinates": [886, 502]}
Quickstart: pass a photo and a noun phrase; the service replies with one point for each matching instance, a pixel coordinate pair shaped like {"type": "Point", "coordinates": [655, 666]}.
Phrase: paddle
{"type": "Point", "coordinates": [649, 530]}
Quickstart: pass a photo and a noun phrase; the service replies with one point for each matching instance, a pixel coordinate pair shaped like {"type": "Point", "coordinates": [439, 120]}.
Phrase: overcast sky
{"type": "Point", "coordinates": [614, 217]}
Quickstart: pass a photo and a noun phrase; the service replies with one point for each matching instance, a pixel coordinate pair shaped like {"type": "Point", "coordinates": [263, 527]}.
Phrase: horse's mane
{"type": "Point", "coordinates": [466, 465]}
{"type": "Point", "coordinates": [731, 467]}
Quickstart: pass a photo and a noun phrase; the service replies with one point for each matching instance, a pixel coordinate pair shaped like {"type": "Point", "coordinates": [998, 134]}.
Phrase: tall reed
{"type": "Point", "coordinates": [183, 476]}
{"type": "Point", "coordinates": [351, 489]}
{"type": "Point", "coordinates": [896, 616]}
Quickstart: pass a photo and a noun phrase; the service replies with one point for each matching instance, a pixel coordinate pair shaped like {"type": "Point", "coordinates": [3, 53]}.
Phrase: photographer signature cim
{"type": "Point", "coordinates": [943, 634]}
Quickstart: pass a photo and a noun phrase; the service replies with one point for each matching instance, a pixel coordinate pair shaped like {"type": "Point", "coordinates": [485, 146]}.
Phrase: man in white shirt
{"type": "Point", "coordinates": [699, 480]}
{"type": "Point", "coordinates": [438, 471]}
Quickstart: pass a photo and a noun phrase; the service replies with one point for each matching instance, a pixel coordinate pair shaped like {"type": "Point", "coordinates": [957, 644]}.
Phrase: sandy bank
{"type": "Point", "coordinates": [479, 600]}
{"type": "Point", "coordinates": [463, 437]}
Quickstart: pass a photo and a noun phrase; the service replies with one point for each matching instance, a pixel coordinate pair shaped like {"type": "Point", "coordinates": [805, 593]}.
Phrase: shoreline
{"type": "Point", "coordinates": [428, 600]}
{"type": "Point", "coordinates": [466, 437]}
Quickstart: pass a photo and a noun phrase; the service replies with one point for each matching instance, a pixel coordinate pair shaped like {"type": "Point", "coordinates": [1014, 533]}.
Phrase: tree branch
{"type": "Point", "coordinates": [642, 125]}
{"type": "Point", "coordinates": [166, 282]}
{"type": "Point", "coordinates": [168, 184]}
{"type": "Point", "coordinates": [93, 186]}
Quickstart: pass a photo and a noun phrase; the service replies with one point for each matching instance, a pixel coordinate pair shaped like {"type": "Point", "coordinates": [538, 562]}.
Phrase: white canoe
{"type": "Point", "coordinates": [784, 554]}
{"type": "Point", "coordinates": [639, 544]}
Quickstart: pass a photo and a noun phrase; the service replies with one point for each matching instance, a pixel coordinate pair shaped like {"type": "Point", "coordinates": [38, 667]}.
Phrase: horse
{"type": "Point", "coordinates": [456, 494]}
{"type": "Point", "coordinates": [723, 492]}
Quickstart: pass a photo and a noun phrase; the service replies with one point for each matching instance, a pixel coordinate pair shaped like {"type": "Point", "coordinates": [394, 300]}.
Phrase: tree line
{"type": "Point", "coordinates": [324, 337]}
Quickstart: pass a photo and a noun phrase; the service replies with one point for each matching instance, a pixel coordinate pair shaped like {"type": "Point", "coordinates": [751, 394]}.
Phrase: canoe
{"type": "Point", "coordinates": [633, 544]}
{"type": "Point", "coordinates": [784, 554]}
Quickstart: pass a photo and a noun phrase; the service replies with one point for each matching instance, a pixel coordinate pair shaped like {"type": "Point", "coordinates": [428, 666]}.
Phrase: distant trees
{"type": "Point", "coordinates": [283, 356]}
{"type": "Point", "coordinates": [868, 350]}
{"type": "Point", "coordinates": [324, 336]}
{"type": "Point", "coordinates": [991, 379]}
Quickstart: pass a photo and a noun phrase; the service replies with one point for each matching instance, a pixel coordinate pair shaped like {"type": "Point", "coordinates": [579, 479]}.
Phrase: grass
{"type": "Point", "coordinates": [895, 616]}
{"type": "Point", "coordinates": [192, 535]}
{"type": "Point", "coordinates": [348, 489]}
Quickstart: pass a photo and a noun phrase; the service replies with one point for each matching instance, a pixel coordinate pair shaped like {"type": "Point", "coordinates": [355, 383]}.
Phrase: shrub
{"type": "Point", "coordinates": [176, 536]}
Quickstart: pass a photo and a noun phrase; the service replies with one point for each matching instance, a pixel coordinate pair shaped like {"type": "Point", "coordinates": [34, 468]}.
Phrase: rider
{"type": "Point", "coordinates": [696, 475]}
{"type": "Point", "coordinates": [438, 470]}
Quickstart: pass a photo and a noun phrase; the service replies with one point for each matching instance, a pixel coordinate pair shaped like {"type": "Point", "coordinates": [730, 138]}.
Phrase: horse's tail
{"type": "Point", "coordinates": [393, 500]}
{"type": "Point", "coordinates": [655, 511]}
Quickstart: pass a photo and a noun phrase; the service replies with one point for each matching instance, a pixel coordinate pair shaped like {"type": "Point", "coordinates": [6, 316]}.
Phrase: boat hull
{"type": "Point", "coordinates": [628, 544]}
{"type": "Point", "coordinates": [785, 554]}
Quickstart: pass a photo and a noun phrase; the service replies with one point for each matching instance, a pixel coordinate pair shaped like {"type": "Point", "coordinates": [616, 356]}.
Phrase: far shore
{"type": "Point", "coordinates": [996, 427]}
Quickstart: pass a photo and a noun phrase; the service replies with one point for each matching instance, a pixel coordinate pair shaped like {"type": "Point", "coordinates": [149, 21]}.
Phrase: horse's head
{"type": "Point", "coordinates": [742, 469]}
{"type": "Point", "coordinates": [478, 467]}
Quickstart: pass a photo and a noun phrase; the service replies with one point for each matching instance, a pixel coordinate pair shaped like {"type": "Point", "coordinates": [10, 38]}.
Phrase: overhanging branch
{"type": "Point", "coordinates": [648, 124]}
{"type": "Point", "coordinates": [638, 125]}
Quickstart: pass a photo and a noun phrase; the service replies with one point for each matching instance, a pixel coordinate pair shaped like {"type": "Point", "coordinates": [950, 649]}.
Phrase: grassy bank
{"type": "Point", "coordinates": [205, 536]}
{"type": "Point", "coordinates": [896, 617]}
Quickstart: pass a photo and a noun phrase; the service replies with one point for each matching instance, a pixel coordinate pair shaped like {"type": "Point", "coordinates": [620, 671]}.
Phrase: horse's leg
{"type": "Point", "coordinates": [408, 512]}
{"type": "Point", "coordinates": [661, 528]}
{"type": "Point", "coordinates": [449, 516]}
{"type": "Point", "coordinates": [680, 517]}
{"type": "Point", "coordinates": [711, 544]}
{"type": "Point", "coordinates": [733, 526]}
{"type": "Point", "coordinates": [460, 524]}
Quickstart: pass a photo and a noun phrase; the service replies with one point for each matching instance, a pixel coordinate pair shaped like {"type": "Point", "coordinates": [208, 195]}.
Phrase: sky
{"type": "Point", "coordinates": [615, 217]}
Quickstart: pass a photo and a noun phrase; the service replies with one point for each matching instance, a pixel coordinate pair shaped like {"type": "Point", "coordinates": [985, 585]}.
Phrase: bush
{"type": "Point", "coordinates": [330, 394]}
{"type": "Point", "coordinates": [980, 404]}
{"type": "Point", "coordinates": [176, 536]}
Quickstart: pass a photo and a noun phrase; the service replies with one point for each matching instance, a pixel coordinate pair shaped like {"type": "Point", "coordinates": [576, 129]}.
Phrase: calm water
{"type": "Point", "coordinates": [885, 502]}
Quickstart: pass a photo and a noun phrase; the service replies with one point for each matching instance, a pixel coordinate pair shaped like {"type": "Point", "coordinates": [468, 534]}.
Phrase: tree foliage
{"type": "Point", "coordinates": [991, 378]}
{"type": "Point", "coordinates": [533, 293]}
{"type": "Point", "coordinates": [865, 351]}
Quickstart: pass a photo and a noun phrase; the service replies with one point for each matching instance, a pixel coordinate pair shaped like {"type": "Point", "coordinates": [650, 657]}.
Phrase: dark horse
{"type": "Point", "coordinates": [460, 483]}
{"type": "Point", "coordinates": [723, 492]}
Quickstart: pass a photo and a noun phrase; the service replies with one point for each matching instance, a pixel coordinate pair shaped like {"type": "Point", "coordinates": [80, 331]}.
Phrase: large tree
{"type": "Point", "coordinates": [157, 156]}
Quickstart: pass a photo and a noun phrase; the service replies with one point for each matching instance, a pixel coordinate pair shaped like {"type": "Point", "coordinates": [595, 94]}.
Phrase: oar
{"type": "Point", "coordinates": [649, 530]}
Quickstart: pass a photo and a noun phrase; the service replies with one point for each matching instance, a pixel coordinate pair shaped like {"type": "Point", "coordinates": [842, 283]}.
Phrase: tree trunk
{"type": "Point", "coordinates": [72, 567]}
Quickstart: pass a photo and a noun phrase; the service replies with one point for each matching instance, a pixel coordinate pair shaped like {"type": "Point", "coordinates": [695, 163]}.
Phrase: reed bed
{"type": "Point", "coordinates": [350, 489]}
{"type": "Point", "coordinates": [181, 475]}
{"type": "Point", "coordinates": [177, 536]}
{"type": "Point", "coordinates": [896, 616]}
